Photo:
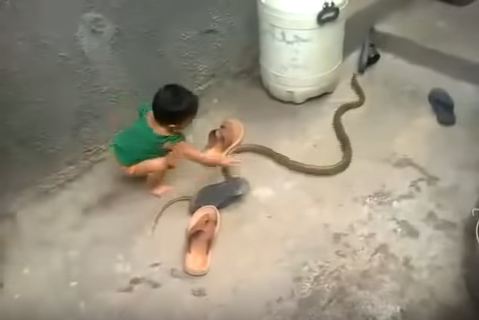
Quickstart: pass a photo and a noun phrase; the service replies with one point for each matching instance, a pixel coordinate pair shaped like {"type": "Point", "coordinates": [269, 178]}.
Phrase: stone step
{"type": "Point", "coordinates": [436, 35]}
{"type": "Point", "coordinates": [362, 15]}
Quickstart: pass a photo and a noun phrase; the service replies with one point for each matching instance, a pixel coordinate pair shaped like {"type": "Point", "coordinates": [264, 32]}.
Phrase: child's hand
{"type": "Point", "coordinates": [210, 159]}
{"type": "Point", "coordinates": [222, 160]}
{"type": "Point", "coordinates": [228, 161]}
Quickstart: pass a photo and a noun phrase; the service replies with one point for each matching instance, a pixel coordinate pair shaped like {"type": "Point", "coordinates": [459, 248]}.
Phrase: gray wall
{"type": "Point", "coordinates": [72, 71]}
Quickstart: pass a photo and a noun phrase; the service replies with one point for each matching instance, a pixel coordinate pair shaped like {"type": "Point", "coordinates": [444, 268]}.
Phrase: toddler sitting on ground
{"type": "Point", "coordinates": [154, 142]}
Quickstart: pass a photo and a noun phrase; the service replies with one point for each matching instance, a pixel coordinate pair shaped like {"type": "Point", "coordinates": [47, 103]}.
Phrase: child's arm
{"type": "Point", "coordinates": [206, 159]}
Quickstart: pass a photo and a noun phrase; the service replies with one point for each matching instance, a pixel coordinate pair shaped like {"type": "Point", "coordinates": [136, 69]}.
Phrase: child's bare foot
{"type": "Point", "coordinates": [161, 190]}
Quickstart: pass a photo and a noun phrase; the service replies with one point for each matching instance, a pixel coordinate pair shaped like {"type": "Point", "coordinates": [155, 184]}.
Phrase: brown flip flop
{"type": "Point", "coordinates": [200, 238]}
{"type": "Point", "coordinates": [229, 135]}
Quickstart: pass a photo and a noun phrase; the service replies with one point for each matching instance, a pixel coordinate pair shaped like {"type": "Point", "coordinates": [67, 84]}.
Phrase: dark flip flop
{"type": "Point", "coordinates": [220, 194]}
{"type": "Point", "coordinates": [443, 106]}
{"type": "Point", "coordinates": [369, 54]}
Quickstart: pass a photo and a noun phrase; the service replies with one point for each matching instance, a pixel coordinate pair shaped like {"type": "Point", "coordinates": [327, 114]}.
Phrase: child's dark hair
{"type": "Point", "coordinates": [173, 104]}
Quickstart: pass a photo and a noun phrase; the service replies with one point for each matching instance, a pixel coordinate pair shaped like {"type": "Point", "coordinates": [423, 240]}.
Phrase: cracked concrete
{"type": "Point", "coordinates": [382, 240]}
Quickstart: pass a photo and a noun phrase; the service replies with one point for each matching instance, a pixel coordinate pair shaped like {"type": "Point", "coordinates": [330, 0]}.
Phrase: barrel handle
{"type": "Point", "coordinates": [329, 13]}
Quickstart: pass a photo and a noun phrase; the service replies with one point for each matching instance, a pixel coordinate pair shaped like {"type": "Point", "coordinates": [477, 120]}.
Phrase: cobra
{"type": "Point", "coordinates": [293, 165]}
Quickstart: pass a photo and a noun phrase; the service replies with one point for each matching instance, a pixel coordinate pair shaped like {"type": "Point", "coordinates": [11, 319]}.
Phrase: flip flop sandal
{"type": "Point", "coordinates": [369, 54]}
{"type": "Point", "coordinates": [220, 195]}
{"type": "Point", "coordinates": [201, 234]}
{"type": "Point", "coordinates": [228, 136]}
{"type": "Point", "coordinates": [443, 106]}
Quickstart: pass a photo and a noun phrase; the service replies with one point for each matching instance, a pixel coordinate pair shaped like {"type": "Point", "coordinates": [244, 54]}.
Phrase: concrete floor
{"type": "Point", "coordinates": [437, 26]}
{"type": "Point", "coordinates": [383, 240]}
{"type": "Point", "coordinates": [435, 34]}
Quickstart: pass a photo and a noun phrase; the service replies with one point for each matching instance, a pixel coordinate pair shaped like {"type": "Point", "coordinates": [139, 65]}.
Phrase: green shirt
{"type": "Point", "coordinates": [139, 142]}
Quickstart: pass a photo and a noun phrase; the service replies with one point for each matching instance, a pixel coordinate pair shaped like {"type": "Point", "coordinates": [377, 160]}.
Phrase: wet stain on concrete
{"type": "Point", "coordinates": [405, 162]}
{"type": "Point", "coordinates": [209, 31]}
{"type": "Point", "coordinates": [406, 229]}
{"type": "Point", "coordinates": [338, 237]}
{"type": "Point", "coordinates": [178, 274]}
{"type": "Point", "coordinates": [339, 293]}
{"type": "Point", "coordinates": [341, 253]}
{"type": "Point", "coordinates": [383, 198]}
{"type": "Point", "coordinates": [439, 224]}
{"type": "Point", "coordinates": [370, 236]}
{"type": "Point", "coordinates": [137, 281]}
{"type": "Point", "coordinates": [126, 289]}
{"type": "Point", "coordinates": [416, 184]}
{"type": "Point", "coordinates": [404, 196]}
{"type": "Point", "coordinates": [155, 265]}
{"type": "Point", "coordinates": [199, 292]}
{"type": "Point", "coordinates": [407, 263]}
{"type": "Point", "coordinates": [384, 251]}
{"type": "Point", "coordinates": [379, 198]}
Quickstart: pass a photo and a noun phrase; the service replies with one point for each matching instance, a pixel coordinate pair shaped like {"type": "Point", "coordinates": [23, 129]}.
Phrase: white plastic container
{"type": "Point", "coordinates": [301, 47]}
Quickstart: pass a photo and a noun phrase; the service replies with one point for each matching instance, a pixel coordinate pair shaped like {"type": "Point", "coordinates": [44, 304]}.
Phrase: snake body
{"type": "Point", "coordinates": [166, 206]}
{"type": "Point", "coordinates": [310, 169]}
{"type": "Point", "coordinates": [281, 159]}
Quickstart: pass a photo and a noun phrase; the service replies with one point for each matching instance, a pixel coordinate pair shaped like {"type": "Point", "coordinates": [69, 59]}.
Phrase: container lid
{"type": "Point", "coordinates": [303, 6]}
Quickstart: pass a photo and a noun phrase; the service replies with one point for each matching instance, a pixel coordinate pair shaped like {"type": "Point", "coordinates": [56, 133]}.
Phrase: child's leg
{"type": "Point", "coordinates": [147, 167]}
{"type": "Point", "coordinates": [154, 181]}
{"type": "Point", "coordinates": [154, 170]}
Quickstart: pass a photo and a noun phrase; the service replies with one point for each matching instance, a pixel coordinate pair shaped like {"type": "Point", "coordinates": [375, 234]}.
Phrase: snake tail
{"type": "Point", "coordinates": [166, 206]}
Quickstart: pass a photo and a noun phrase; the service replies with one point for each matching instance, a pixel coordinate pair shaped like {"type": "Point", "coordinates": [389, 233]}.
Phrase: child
{"type": "Point", "coordinates": [150, 146]}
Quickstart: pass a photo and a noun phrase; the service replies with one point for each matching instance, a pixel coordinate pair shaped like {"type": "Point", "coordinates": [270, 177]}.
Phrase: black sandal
{"type": "Point", "coordinates": [443, 106]}
{"type": "Point", "coordinates": [220, 194]}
